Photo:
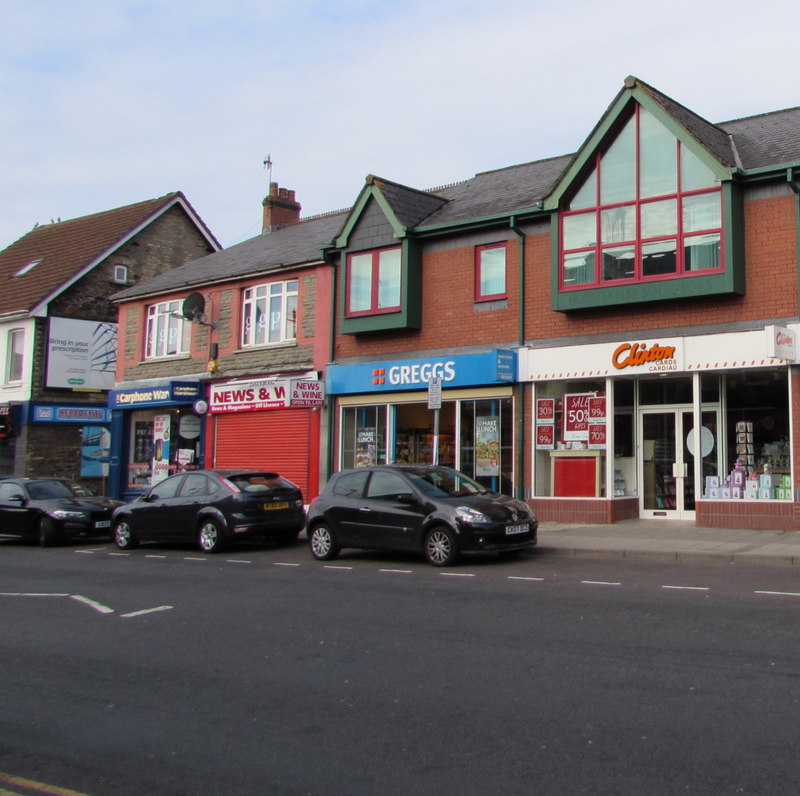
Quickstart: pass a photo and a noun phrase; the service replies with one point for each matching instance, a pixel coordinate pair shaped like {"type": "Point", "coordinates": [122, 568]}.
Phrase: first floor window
{"type": "Point", "coordinates": [167, 331]}
{"type": "Point", "coordinates": [269, 313]}
{"type": "Point", "coordinates": [490, 276]}
{"type": "Point", "coordinates": [373, 281]}
{"type": "Point", "coordinates": [14, 355]}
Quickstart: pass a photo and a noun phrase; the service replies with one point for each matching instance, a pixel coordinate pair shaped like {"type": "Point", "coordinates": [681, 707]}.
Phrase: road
{"type": "Point", "coordinates": [261, 671]}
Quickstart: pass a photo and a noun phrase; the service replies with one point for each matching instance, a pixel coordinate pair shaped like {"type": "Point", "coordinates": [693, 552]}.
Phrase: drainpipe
{"type": "Point", "coordinates": [794, 184]}
{"type": "Point", "coordinates": [519, 388]}
{"type": "Point", "coordinates": [331, 355]}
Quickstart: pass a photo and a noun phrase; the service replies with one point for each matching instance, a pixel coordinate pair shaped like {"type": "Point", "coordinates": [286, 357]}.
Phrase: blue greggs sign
{"type": "Point", "coordinates": [464, 370]}
{"type": "Point", "coordinates": [172, 393]}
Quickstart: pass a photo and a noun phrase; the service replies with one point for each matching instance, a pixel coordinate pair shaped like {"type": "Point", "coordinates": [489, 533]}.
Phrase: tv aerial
{"type": "Point", "coordinates": [193, 310]}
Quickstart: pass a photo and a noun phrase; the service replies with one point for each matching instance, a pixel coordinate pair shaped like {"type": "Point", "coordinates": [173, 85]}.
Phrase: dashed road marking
{"type": "Point", "coordinates": [284, 564]}
{"type": "Point", "coordinates": [523, 577]}
{"type": "Point", "coordinates": [601, 583]}
{"type": "Point", "coordinates": [194, 558]}
{"type": "Point", "coordinates": [38, 787]}
{"type": "Point", "coordinates": [147, 611]}
{"type": "Point", "coordinates": [238, 561]}
{"type": "Point", "coordinates": [30, 594]}
{"type": "Point", "coordinates": [398, 571]}
{"type": "Point", "coordinates": [103, 609]}
{"type": "Point", "coordinates": [335, 566]}
{"type": "Point", "coordinates": [687, 588]}
{"type": "Point", "coordinates": [458, 574]}
{"type": "Point", "coordinates": [779, 593]}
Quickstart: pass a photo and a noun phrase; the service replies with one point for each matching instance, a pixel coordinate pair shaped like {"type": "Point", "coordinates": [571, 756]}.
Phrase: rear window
{"type": "Point", "coordinates": [260, 482]}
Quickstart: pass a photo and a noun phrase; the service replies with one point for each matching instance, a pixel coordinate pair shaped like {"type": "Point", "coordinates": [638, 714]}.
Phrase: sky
{"type": "Point", "coordinates": [104, 103]}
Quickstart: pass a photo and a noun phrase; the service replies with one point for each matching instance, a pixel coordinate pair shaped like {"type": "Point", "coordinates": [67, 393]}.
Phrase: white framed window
{"type": "Point", "coordinates": [121, 274]}
{"type": "Point", "coordinates": [490, 272]}
{"type": "Point", "coordinates": [167, 331]}
{"type": "Point", "coordinates": [269, 313]}
{"type": "Point", "coordinates": [15, 351]}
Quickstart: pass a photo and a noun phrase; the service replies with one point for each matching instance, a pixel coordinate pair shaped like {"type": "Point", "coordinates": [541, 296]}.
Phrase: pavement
{"type": "Point", "coordinates": [671, 540]}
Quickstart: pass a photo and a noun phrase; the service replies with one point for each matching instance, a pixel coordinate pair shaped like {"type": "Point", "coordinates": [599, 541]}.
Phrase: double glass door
{"type": "Point", "coordinates": [666, 462]}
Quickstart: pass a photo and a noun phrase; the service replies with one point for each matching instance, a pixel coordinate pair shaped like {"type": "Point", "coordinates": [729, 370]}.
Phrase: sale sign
{"type": "Point", "coordinates": [597, 436]}
{"type": "Point", "coordinates": [545, 410]}
{"type": "Point", "coordinates": [597, 409]}
{"type": "Point", "coordinates": [576, 416]}
{"type": "Point", "coordinates": [545, 437]}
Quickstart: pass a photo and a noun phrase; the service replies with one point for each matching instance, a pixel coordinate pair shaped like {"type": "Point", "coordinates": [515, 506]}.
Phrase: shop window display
{"type": "Point", "coordinates": [757, 448]}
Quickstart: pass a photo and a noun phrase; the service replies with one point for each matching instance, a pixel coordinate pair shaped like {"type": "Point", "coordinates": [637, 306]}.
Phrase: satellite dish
{"type": "Point", "coordinates": [193, 306]}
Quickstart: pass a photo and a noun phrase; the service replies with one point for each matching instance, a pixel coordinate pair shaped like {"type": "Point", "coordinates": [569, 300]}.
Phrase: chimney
{"type": "Point", "coordinates": [280, 208]}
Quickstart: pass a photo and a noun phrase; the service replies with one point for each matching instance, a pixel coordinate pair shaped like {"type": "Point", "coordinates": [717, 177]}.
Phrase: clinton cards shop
{"type": "Point", "coordinates": [157, 430]}
{"type": "Point", "coordinates": [382, 414]}
{"type": "Point", "coordinates": [696, 428]}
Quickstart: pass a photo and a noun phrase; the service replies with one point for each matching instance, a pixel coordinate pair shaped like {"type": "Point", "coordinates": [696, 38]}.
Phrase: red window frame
{"type": "Point", "coordinates": [478, 264]}
{"type": "Point", "coordinates": [681, 236]}
{"type": "Point", "coordinates": [374, 285]}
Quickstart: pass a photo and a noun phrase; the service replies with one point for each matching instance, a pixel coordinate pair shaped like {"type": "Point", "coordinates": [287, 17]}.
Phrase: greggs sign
{"type": "Point", "coordinates": [658, 358]}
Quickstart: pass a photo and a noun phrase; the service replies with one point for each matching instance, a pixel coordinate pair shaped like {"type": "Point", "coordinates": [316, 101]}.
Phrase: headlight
{"type": "Point", "coordinates": [61, 514]}
{"type": "Point", "coordinates": [467, 514]}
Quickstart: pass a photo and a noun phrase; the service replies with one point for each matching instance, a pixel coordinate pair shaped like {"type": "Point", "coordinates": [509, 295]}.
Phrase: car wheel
{"type": "Point", "coordinates": [210, 536]}
{"type": "Point", "coordinates": [124, 537]}
{"type": "Point", "coordinates": [441, 549]}
{"type": "Point", "coordinates": [285, 538]}
{"type": "Point", "coordinates": [323, 543]}
{"type": "Point", "coordinates": [48, 533]}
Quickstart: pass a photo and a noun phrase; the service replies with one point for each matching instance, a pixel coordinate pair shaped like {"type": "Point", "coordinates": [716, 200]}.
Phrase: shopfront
{"type": "Point", "coordinates": [383, 414]}
{"type": "Point", "coordinates": [157, 430]}
{"type": "Point", "coordinates": [271, 423]}
{"type": "Point", "coordinates": [693, 428]}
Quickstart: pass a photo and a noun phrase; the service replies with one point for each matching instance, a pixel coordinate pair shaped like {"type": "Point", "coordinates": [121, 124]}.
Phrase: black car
{"type": "Point", "coordinates": [52, 510]}
{"type": "Point", "coordinates": [434, 510]}
{"type": "Point", "coordinates": [212, 508]}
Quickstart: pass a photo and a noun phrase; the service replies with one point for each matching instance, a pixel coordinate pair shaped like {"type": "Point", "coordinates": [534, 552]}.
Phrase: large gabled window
{"type": "Point", "coordinates": [648, 210]}
{"type": "Point", "coordinates": [269, 313]}
{"type": "Point", "coordinates": [167, 331]}
{"type": "Point", "coordinates": [373, 282]}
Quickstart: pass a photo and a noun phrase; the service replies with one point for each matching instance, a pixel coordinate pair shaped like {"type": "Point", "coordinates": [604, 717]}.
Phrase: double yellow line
{"type": "Point", "coordinates": [33, 786]}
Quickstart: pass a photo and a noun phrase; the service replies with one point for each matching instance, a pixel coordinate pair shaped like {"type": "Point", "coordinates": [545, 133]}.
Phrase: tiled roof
{"type": "Point", "coordinates": [755, 142]}
{"type": "Point", "coordinates": [294, 244]}
{"type": "Point", "coordinates": [66, 248]}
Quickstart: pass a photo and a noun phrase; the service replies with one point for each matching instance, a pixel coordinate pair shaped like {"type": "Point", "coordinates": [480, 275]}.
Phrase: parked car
{"type": "Point", "coordinates": [434, 510]}
{"type": "Point", "coordinates": [52, 510]}
{"type": "Point", "coordinates": [212, 508]}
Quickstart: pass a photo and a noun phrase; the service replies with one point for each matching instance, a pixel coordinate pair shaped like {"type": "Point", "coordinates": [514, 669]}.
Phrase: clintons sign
{"type": "Point", "coordinates": [654, 358]}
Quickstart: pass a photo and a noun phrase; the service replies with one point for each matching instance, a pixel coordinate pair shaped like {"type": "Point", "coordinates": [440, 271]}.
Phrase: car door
{"type": "Point", "coordinates": [193, 495]}
{"type": "Point", "coordinates": [13, 513]}
{"type": "Point", "coordinates": [154, 516]}
{"type": "Point", "coordinates": [391, 514]}
{"type": "Point", "coordinates": [343, 508]}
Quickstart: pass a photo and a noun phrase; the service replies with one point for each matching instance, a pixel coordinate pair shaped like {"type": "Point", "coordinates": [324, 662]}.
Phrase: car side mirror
{"type": "Point", "coordinates": [406, 498]}
{"type": "Point", "coordinates": [17, 497]}
{"type": "Point", "coordinates": [149, 498]}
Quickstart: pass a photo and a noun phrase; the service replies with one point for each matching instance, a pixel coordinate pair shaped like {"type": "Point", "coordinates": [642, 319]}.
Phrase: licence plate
{"type": "Point", "coordinates": [269, 506]}
{"type": "Point", "coordinates": [512, 529]}
{"type": "Point", "coordinates": [103, 524]}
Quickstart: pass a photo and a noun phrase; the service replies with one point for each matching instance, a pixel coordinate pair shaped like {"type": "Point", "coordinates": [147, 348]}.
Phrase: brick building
{"type": "Point", "coordinates": [220, 361]}
{"type": "Point", "coordinates": [58, 329]}
{"type": "Point", "coordinates": [614, 329]}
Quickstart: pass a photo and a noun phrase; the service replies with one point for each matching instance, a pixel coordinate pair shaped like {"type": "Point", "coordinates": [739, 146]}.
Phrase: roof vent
{"type": "Point", "coordinates": [25, 268]}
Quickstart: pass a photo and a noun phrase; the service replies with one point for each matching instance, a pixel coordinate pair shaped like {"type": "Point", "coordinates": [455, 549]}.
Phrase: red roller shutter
{"type": "Point", "coordinates": [277, 440]}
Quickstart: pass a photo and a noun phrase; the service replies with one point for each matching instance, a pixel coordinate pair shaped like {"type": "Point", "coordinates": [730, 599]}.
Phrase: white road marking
{"type": "Point", "coordinates": [284, 564]}
{"type": "Point", "coordinates": [687, 588]}
{"type": "Point", "coordinates": [193, 558]}
{"type": "Point", "coordinates": [153, 555]}
{"type": "Point", "coordinates": [147, 611]}
{"type": "Point", "coordinates": [119, 554]}
{"type": "Point", "coordinates": [521, 577]}
{"type": "Point", "coordinates": [779, 593]}
{"type": "Point", "coordinates": [600, 583]}
{"type": "Point", "coordinates": [103, 609]}
{"type": "Point", "coordinates": [333, 566]}
{"type": "Point", "coordinates": [458, 574]}
{"type": "Point", "coordinates": [238, 561]}
{"type": "Point", "coordinates": [29, 594]}
{"type": "Point", "coordinates": [398, 571]}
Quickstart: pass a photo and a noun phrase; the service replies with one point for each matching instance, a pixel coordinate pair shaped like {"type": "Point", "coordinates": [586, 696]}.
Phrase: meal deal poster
{"type": "Point", "coordinates": [487, 446]}
{"type": "Point", "coordinates": [161, 428]}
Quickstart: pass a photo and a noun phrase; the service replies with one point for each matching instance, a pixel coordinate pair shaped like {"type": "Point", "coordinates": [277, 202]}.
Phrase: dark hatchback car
{"type": "Point", "coordinates": [212, 508]}
{"type": "Point", "coordinates": [434, 510]}
{"type": "Point", "coordinates": [53, 510]}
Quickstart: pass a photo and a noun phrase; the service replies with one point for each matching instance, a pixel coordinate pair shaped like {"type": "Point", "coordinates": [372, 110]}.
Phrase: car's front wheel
{"type": "Point", "coordinates": [210, 536]}
{"type": "Point", "coordinates": [124, 537]}
{"type": "Point", "coordinates": [323, 543]}
{"type": "Point", "coordinates": [48, 533]}
{"type": "Point", "coordinates": [441, 548]}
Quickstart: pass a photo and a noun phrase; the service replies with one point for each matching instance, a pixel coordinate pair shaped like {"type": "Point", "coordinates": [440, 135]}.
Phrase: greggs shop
{"type": "Point", "coordinates": [383, 414]}
{"type": "Point", "coordinates": [693, 428]}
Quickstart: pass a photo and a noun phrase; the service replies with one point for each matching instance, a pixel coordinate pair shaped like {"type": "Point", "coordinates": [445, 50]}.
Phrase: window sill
{"type": "Point", "coordinates": [493, 304]}
{"type": "Point", "coordinates": [266, 346]}
{"type": "Point", "coordinates": [168, 358]}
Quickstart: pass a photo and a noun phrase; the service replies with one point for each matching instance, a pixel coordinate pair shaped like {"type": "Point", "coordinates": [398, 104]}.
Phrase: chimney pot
{"type": "Point", "coordinates": [280, 208]}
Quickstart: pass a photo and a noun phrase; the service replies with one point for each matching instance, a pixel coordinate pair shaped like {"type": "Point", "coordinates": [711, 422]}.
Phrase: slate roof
{"type": "Point", "coordinates": [771, 139]}
{"type": "Point", "coordinates": [67, 249]}
{"type": "Point", "coordinates": [294, 244]}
